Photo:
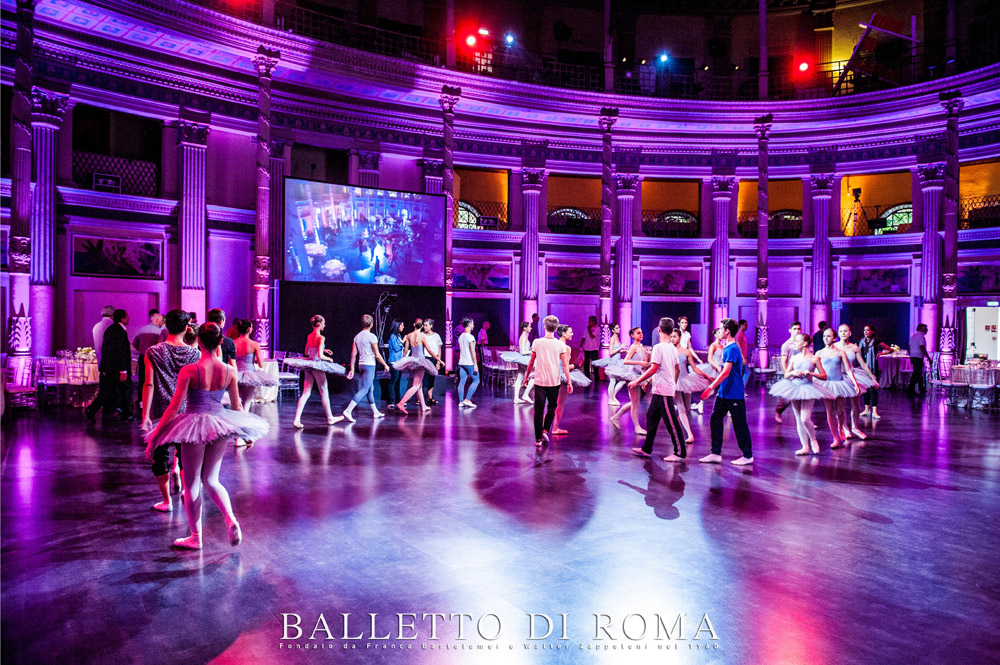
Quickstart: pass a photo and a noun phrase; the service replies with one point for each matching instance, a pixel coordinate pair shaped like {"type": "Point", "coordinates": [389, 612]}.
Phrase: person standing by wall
{"type": "Point", "coordinates": [115, 388]}
{"type": "Point", "coordinates": [98, 330]}
{"type": "Point", "coordinates": [918, 354]}
{"type": "Point", "coordinates": [483, 341]}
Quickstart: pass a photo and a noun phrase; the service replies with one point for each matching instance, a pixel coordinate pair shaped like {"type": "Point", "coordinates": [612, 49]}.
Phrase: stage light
{"type": "Point", "coordinates": [470, 40]}
{"type": "Point", "coordinates": [624, 59]}
{"type": "Point", "coordinates": [643, 62]}
{"type": "Point", "coordinates": [509, 38]}
{"type": "Point", "coordinates": [663, 57]}
{"type": "Point", "coordinates": [705, 68]}
{"type": "Point", "coordinates": [484, 32]}
{"type": "Point", "coordinates": [803, 66]}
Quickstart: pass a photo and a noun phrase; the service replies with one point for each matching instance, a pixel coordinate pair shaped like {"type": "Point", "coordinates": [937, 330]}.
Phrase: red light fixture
{"type": "Point", "coordinates": [803, 67]}
{"type": "Point", "coordinates": [470, 40]}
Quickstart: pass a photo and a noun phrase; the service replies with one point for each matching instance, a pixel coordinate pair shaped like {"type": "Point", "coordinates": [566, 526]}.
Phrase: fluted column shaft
{"type": "Point", "coordinates": [19, 248]}
{"type": "Point", "coordinates": [46, 118]}
{"type": "Point", "coordinates": [531, 193]}
{"type": "Point", "coordinates": [821, 187]}
{"type": "Point", "coordinates": [928, 302]}
{"type": "Point", "coordinates": [624, 286]}
{"type": "Point", "coordinates": [607, 120]}
{"type": "Point", "coordinates": [762, 127]}
{"type": "Point", "coordinates": [192, 142]}
{"type": "Point", "coordinates": [448, 100]}
{"type": "Point", "coordinates": [953, 105]}
{"type": "Point", "coordinates": [265, 61]}
{"type": "Point", "coordinates": [722, 196]}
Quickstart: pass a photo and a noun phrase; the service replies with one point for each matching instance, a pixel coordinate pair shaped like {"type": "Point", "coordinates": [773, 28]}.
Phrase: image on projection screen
{"type": "Point", "coordinates": [359, 235]}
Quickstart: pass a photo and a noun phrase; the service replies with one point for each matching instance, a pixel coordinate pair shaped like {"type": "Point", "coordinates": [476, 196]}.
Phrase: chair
{"type": "Point", "coordinates": [981, 388]}
{"type": "Point", "coordinates": [288, 377]}
{"type": "Point", "coordinates": [768, 375]}
{"type": "Point", "coordinates": [20, 389]}
{"type": "Point", "coordinates": [46, 380]}
{"type": "Point", "coordinates": [957, 387]}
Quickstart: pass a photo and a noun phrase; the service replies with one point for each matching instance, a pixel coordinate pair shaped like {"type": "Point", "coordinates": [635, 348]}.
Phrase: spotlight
{"type": "Point", "coordinates": [663, 57]}
{"type": "Point", "coordinates": [509, 38]}
{"type": "Point", "coordinates": [484, 32]}
{"type": "Point", "coordinates": [705, 68]}
{"type": "Point", "coordinates": [643, 62]}
{"type": "Point", "coordinates": [803, 66]}
{"type": "Point", "coordinates": [624, 59]}
{"type": "Point", "coordinates": [470, 40]}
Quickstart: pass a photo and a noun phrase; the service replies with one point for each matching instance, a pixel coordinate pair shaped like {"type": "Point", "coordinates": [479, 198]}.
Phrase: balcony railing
{"type": "Point", "coordinates": [781, 224]}
{"type": "Point", "coordinates": [670, 224]}
{"type": "Point", "coordinates": [876, 220]}
{"type": "Point", "coordinates": [127, 176]}
{"type": "Point", "coordinates": [483, 215]}
{"type": "Point", "coordinates": [979, 212]}
{"type": "Point", "coordinates": [575, 221]}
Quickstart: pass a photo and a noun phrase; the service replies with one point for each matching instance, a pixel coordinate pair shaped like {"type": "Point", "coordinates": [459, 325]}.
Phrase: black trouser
{"type": "Point", "coordinates": [783, 404]}
{"type": "Point", "coordinates": [543, 395]}
{"type": "Point", "coordinates": [918, 376]}
{"type": "Point", "coordinates": [738, 409]}
{"type": "Point", "coordinates": [588, 361]}
{"type": "Point", "coordinates": [112, 393]}
{"type": "Point", "coordinates": [161, 459]}
{"type": "Point", "coordinates": [662, 407]}
{"type": "Point", "coordinates": [395, 378]}
{"type": "Point", "coordinates": [429, 383]}
{"type": "Point", "coordinates": [871, 397]}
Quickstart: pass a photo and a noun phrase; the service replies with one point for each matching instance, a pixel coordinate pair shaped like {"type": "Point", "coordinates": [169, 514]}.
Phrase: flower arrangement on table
{"type": "Point", "coordinates": [85, 354]}
{"type": "Point", "coordinates": [895, 348]}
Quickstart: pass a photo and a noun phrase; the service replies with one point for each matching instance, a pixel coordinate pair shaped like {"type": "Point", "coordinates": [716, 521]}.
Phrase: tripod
{"type": "Point", "coordinates": [381, 313]}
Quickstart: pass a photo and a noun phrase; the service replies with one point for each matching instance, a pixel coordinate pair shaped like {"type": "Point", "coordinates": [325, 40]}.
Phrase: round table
{"type": "Point", "coordinates": [891, 366]}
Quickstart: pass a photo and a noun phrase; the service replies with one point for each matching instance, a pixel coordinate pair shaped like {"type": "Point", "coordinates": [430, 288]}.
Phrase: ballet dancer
{"type": "Point", "coordinates": [615, 357]}
{"type": "Point", "coordinates": [204, 431]}
{"type": "Point", "coordinates": [468, 365]}
{"type": "Point", "coordinates": [635, 363]}
{"type": "Point", "coordinates": [871, 348]}
{"type": "Point", "coordinates": [364, 349]}
{"type": "Point", "coordinates": [432, 349]}
{"type": "Point", "coordinates": [664, 369]}
{"type": "Point", "coordinates": [731, 399]}
{"type": "Point", "coordinates": [417, 365]}
{"type": "Point", "coordinates": [163, 362]}
{"type": "Point", "coordinates": [690, 380]}
{"type": "Point", "coordinates": [797, 388]}
{"type": "Point", "coordinates": [251, 375]}
{"type": "Point", "coordinates": [520, 357]}
{"type": "Point", "coordinates": [863, 374]}
{"type": "Point", "coordinates": [547, 356]}
{"type": "Point", "coordinates": [316, 367]}
{"type": "Point", "coordinates": [395, 353]}
{"type": "Point", "coordinates": [578, 379]}
{"type": "Point", "coordinates": [787, 351]}
{"type": "Point", "coordinates": [713, 367]}
{"type": "Point", "coordinates": [841, 383]}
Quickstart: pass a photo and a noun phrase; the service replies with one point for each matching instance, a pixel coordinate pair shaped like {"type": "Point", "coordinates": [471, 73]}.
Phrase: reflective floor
{"type": "Point", "coordinates": [885, 552]}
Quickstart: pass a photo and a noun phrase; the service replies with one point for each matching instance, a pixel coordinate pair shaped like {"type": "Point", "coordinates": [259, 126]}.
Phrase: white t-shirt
{"type": "Point", "coordinates": [547, 351]}
{"type": "Point", "coordinates": [787, 351]}
{"type": "Point", "coordinates": [464, 352]}
{"type": "Point", "coordinates": [433, 343]}
{"type": "Point", "coordinates": [592, 343]}
{"type": "Point", "coordinates": [98, 330]}
{"type": "Point", "coordinates": [916, 342]}
{"type": "Point", "coordinates": [686, 339]}
{"type": "Point", "coordinates": [363, 341]}
{"type": "Point", "coordinates": [664, 355]}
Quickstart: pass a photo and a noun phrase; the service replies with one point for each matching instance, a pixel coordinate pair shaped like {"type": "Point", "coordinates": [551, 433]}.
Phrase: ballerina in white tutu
{"type": "Point", "coordinates": [252, 374]}
{"type": "Point", "coordinates": [616, 356]}
{"type": "Point", "coordinates": [316, 367]}
{"type": "Point", "coordinates": [690, 380]}
{"type": "Point", "coordinates": [798, 388]}
{"type": "Point", "coordinates": [862, 374]}
{"type": "Point", "coordinates": [635, 363]}
{"type": "Point", "coordinates": [520, 357]}
{"type": "Point", "coordinates": [417, 365]}
{"type": "Point", "coordinates": [713, 367]}
{"type": "Point", "coordinates": [841, 383]}
{"type": "Point", "coordinates": [204, 431]}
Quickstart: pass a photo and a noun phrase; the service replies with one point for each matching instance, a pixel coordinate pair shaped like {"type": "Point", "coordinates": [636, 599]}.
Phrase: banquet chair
{"type": "Point", "coordinates": [767, 375]}
{"type": "Point", "coordinates": [288, 377]}
{"type": "Point", "coordinates": [981, 388]}
{"type": "Point", "coordinates": [957, 387]}
{"type": "Point", "coordinates": [20, 389]}
{"type": "Point", "coordinates": [46, 380]}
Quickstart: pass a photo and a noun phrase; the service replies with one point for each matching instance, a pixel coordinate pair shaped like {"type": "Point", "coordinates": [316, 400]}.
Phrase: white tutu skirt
{"type": "Point", "coordinates": [578, 378]}
{"type": "Point", "coordinates": [413, 363]}
{"type": "Point", "coordinates": [318, 365]}
{"type": "Point", "coordinates": [255, 378]}
{"type": "Point", "coordinates": [609, 361]}
{"type": "Point", "coordinates": [623, 372]}
{"type": "Point", "coordinates": [708, 369]}
{"type": "Point", "coordinates": [515, 357]}
{"type": "Point", "coordinates": [864, 380]}
{"type": "Point", "coordinates": [843, 388]}
{"type": "Point", "coordinates": [207, 428]}
{"type": "Point", "coordinates": [800, 390]}
{"type": "Point", "coordinates": [692, 383]}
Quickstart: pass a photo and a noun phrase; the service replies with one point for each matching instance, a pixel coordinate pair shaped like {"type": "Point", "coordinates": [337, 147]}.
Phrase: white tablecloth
{"type": "Point", "coordinates": [268, 393]}
{"type": "Point", "coordinates": [890, 367]}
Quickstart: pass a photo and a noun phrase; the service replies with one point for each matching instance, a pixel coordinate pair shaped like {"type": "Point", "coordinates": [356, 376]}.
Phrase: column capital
{"type": "Point", "coordinates": [821, 184]}
{"type": "Point", "coordinates": [532, 179]}
{"type": "Point", "coordinates": [762, 126]}
{"type": "Point", "coordinates": [277, 147]}
{"type": "Point", "coordinates": [723, 186]}
{"type": "Point", "coordinates": [192, 133]}
{"type": "Point", "coordinates": [932, 175]}
{"type": "Point", "coordinates": [48, 107]}
{"type": "Point", "coordinates": [265, 61]}
{"type": "Point", "coordinates": [609, 116]}
{"type": "Point", "coordinates": [368, 160]}
{"type": "Point", "coordinates": [626, 184]}
{"type": "Point", "coordinates": [432, 168]}
{"type": "Point", "coordinates": [449, 98]}
{"type": "Point", "coordinates": [951, 101]}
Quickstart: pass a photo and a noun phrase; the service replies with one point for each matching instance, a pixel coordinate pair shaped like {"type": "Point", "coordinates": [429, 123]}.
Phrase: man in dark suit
{"type": "Point", "coordinates": [116, 371]}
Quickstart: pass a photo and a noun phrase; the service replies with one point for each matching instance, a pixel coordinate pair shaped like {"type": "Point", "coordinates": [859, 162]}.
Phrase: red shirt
{"type": "Point", "coordinates": [741, 341]}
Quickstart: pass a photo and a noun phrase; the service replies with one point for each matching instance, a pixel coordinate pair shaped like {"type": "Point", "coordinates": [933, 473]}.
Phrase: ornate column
{"type": "Point", "coordinates": [762, 127]}
{"type": "Point", "coordinates": [448, 99]}
{"type": "Point", "coordinates": [952, 104]}
{"type": "Point", "coordinates": [367, 167]}
{"type": "Point", "coordinates": [932, 184]}
{"type": "Point", "coordinates": [265, 61]}
{"type": "Point", "coordinates": [433, 175]}
{"type": "Point", "coordinates": [722, 195]}
{"type": "Point", "coordinates": [626, 187]}
{"type": "Point", "coordinates": [192, 142]}
{"type": "Point", "coordinates": [46, 117]}
{"type": "Point", "coordinates": [607, 120]}
{"type": "Point", "coordinates": [531, 192]}
{"type": "Point", "coordinates": [822, 192]}
{"type": "Point", "coordinates": [19, 247]}
{"type": "Point", "coordinates": [276, 199]}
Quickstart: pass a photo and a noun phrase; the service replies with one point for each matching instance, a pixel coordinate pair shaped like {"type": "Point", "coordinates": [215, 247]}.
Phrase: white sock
{"type": "Point", "coordinates": [350, 408]}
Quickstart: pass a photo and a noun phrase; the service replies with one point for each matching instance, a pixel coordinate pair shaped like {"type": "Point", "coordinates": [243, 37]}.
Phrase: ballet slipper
{"type": "Point", "coordinates": [297, 425]}
{"type": "Point", "coordinates": [333, 420]}
{"type": "Point", "coordinates": [858, 433]}
{"type": "Point", "coordinates": [640, 431]}
{"type": "Point", "coordinates": [711, 459]}
{"type": "Point", "coordinates": [640, 452]}
{"type": "Point", "coordinates": [616, 422]}
{"type": "Point", "coordinates": [875, 415]}
{"type": "Point", "coordinates": [837, 444]}
{"type": "Point", "coordinates": [845, 434]}
{"type": "Point", "coordinates": [545, 436]}
{"type": "Point", "coordinates": [742, 461]}
{"type": "Point", "coordinates": [348, 417]}
{"type": "Point", "coordinates": [865, 412]}
{"type": "Point", "coordinates": [804, 450]}
{"type": "Point", "coordinates": [673, 458]}
{"type": "Point", "coordinates": [402, 409]}
{"type": "Point", "coordinates": [815, 445]}
{"type": "Point", "coordinates": [163, 506]}
{"type": "Point", "coordinates": [235, 534]}
{"type": "Point", "coordinates": [689, 440]}
{"type": "Point", "coordinates": [425, 409]}
{"type": "Point", "coordinates": [378, 414]}
{"type": "Point", "coordinates": [192, 542]}
{"type": "Point", "coordinates": [559, 432]}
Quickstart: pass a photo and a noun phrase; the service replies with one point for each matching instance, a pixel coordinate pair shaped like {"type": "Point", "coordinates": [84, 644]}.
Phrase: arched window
{"type": "Point", "coordinates": [897, 219]}
{"type": "Point", "coordinates": [569, 213]}
{"type": "Point", "coordinates": [785, 224]}
{"type": "Point", "coordinates": [468, 216]}
{"type": "Point", "coordinates": [672, 224]}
